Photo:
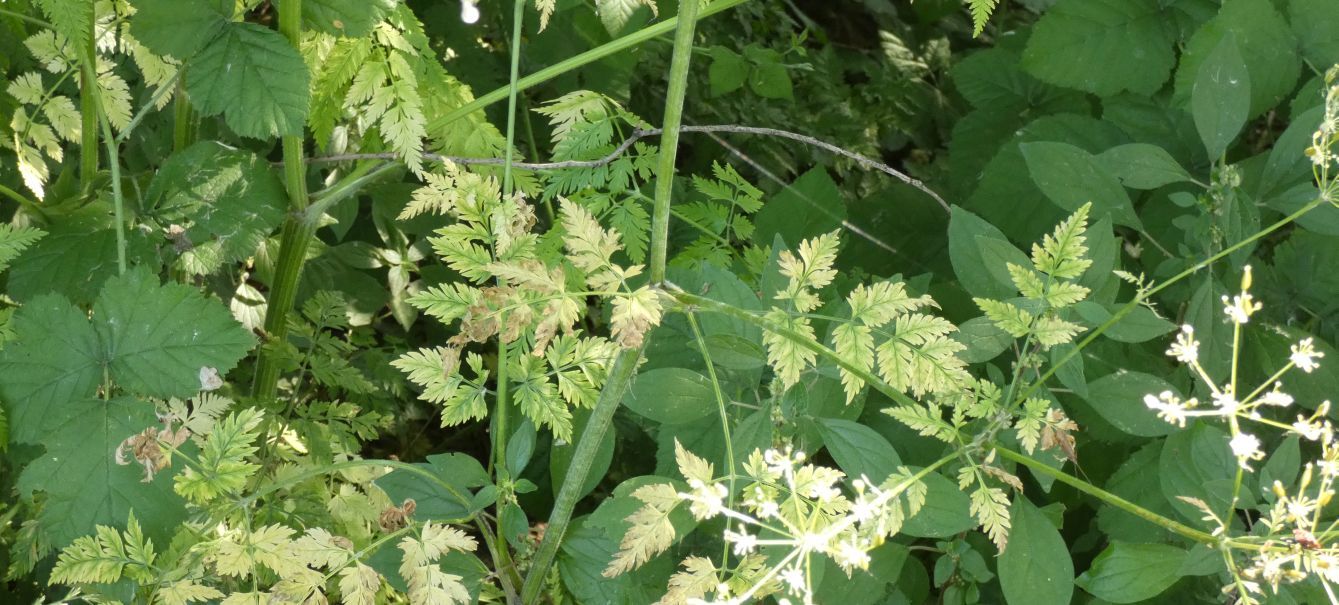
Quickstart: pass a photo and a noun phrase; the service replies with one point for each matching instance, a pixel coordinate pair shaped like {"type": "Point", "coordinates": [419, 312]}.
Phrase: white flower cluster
{"type": "Point", "coordinates": [1226, 404]}
{"type": "Point", "coordinates": [798, 510]}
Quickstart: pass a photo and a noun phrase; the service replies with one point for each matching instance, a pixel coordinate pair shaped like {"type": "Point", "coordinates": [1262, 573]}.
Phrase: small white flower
{"type": "Point", "coordinates": [1186, 349]}
{"type": "Point", "coordinates": [1169, 407]}
{"type": "Point", "coordinates": [1246, 447]}
{"type": "Point", "coordinates": [794, 579]}
{"type": "Point", "coordinates": [849, 554]}
{"type": "Point", "coordinates": [744, 542]}
{"type": "Point", "coordinates": [1276, 397]}
{"type": "Point", "coordinates": [1226, 401]}
{"type": "Point", "coordinates": [1240, 308]}
{"type": "Point", "coordinates": [1308, 429]}
{"type": "Point", "coordinates": [1304, 355]}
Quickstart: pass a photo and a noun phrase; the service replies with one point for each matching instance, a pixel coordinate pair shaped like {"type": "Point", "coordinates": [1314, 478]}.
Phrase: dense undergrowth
{"type": "Point", "coordinates": [634, 301]}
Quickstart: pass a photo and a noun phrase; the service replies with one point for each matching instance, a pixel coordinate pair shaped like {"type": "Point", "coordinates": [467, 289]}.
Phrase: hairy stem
{"type": "Point", "coordinates": [669, 141]}
{"type": "Point", "coordinates": [296, 238]}
{"type": "Point", "coordinates": [88, 106]}
{"type": "Point", "coordinates": [595, 54]}
{"type": "Point", "coordinates": [183, 117]}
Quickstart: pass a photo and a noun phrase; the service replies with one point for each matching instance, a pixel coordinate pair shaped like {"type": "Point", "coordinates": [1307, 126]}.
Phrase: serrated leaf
{"type": "Point", "coordinates": [83, 484]}
{"type": "Point", "coordinates": [1102, 46]}
{"type": "Point", "coordinates": [74, 260]}
{"type": "Point", "coordinates": [226, 200]}
{"type": "Point", "coordinates": [252, 76]}
{"type": "Point", "coordinates": [155, 338]}
{"type": "Point", "coordinates": [351, 18]}
{"type": "Point", "coordinates": [55, 359]}
{"type": "Point", "coordinates": [178, 28]}
{"type": "Point", "coordinates": [616, 13]}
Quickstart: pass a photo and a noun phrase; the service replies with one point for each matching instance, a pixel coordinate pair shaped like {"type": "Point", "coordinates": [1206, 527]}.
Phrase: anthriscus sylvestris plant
{"type": "Point", "coordinates": [731, 302]}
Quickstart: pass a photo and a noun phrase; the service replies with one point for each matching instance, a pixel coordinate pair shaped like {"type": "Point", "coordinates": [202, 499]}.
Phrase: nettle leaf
{"type": "Point", "coordinates": [151, 339]}
{"type": "Point", "coordinates": [1102, 46]}
{"type": "Point", "coordinates": [226, 200]}
{"type": "Point", "coordinates": [84, 486]}
{"type": "Point", "coordinates": [1314, 22]}
{"type": "Point", "coordinates": [616, 13]}
{"type": "Point", "coordinates": [1132, 573]}
{"type": "Point", "coordinates": [352, 18]}
{"type": "Point", "coordinates": [252, 76]}
{"type": "Point", "coordinates": [155, 338]}
{"type": "Point", "coordinates": [1035, 568]}
{"type": "Point", "coordinates": [1221, 99]}
{"type": "Point", "coordinates": [74, 260]}
{"type": "Point", "coordinates": [178, 28]}
{"type": "Point", "coordinates": [55, 359]}
{"type": "Point", "coordinates": [1267, 46]}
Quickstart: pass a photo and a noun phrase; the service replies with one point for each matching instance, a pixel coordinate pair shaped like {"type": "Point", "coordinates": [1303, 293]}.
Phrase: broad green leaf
{"type": "Point", "coordinates": [811, 206]}
{"type": "Point", "coordinates": [84, 486]}
{"type": "Point", "coordinates": [434, 500]}
{"type": "Point", "coordinates": [178, 28]}
{"type": "Point", "coordinates": [1136, 480]}
{"type": "Point", "coordinates": [1282, 466]}
{"type": "Point", "coordinates": [860, 451]}
{"type": "Point", "coordinates": [1265, 42]}
{"type": "Point", "coordinates": [55, 359]}
{"type": "Point", "coordinates": [156, 338]}
{"type": "Point", "coordinates": [586, 551]}
{"type": "Point", "coordinates": [520, 446]}
{"type": "Point", "coordinates": [615, 14]}
{"type": "Point", "coordinates": [1221, 98]}
{"type": "Point", "coordinates": [728, 71]}
{"type": "Point", "coordinates": [1119, 398]}
{"type": "Point", "coordinates": [1198, 463]}
{"type": "Point", "coordinates": [227, 200]}
{"type": "Point", "coordinates": [947, 510]}
{"type": "Point", "coordinates": [74, 260]}
{"type": "Point", "coordinates": [671, 395]}
{"type": "Point", "coordinates": [1141, 324]}
{"type": "Point", "coordinates": [1035, 568]}
{"type": "Point", "coordinates": [252, 76]}
{"type": "Point", "coordinates": [1132, 573]}
{"type": "Point", "coordinates": [965, 231]}
{"type": "Point", "coordinates": [984, 340]}
{"type": "Point", "coordinates": [351, 18]}
{"type": "Point", "coordinates": [1071, 177]}
{"type": "Point", "coordinates": [1009, 198]}
{"type": "Point", "coordinates": [1143, 166]}
{"type": "Point", "coordinates": [560, 455]}
{"type": "Point", "coordinates": [1314, 22]}
{"type": "Point", "coordinates": [992, 79]}
{"type": "Point", "coordinates": [998, 254]}
{"type": "Point", "coordinates": [1102, 46]}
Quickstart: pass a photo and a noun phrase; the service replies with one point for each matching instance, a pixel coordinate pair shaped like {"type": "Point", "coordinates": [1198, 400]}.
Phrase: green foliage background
{"type": "Point", "coordinates": [233, 218]}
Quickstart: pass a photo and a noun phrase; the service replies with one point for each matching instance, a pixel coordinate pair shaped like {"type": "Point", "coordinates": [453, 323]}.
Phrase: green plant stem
{"type": "Point", "coordinates": [669, 140]}
{"type": "Point", "coordinates": [88, 106]}
{"type": "Point", "coordinates": [1106, 496]}
{"type": "Point", "coordinates": [1139, 298]}
{"type": "Point", "coordinates": [620, 375]}
{"type": "Point", "coordinates": [183, 117]}
{"type": "Point", "coordinates": [30, 205]}
{"type": "Point", "coordinates": [118, 200]}
{"type": "Point", "coordinates": [566, 65]}
{"type": "Point", "coordinates": [296, 238]}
